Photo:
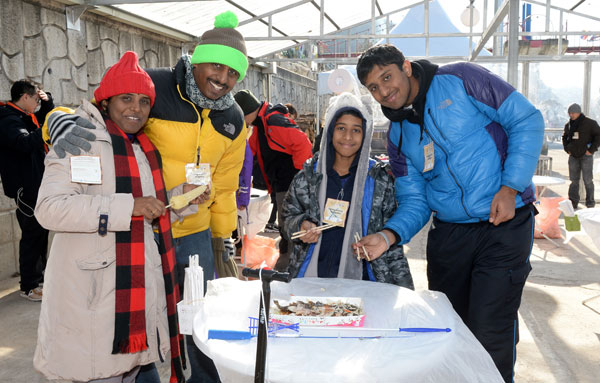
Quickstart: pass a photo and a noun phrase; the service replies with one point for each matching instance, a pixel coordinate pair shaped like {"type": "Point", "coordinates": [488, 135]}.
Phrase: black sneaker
{"type": "Point", "coordinates": [271, 228]}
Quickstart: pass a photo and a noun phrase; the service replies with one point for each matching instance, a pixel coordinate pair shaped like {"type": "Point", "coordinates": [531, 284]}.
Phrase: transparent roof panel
{"type": "Point", "coordinates": [302, 17]}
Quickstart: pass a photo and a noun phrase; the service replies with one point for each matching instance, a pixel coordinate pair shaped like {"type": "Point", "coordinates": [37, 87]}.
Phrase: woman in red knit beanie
{"type": "Point", "coordinates": [110, 293]}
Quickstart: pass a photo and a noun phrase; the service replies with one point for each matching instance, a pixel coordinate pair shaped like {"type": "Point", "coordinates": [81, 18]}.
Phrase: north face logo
{"type": "Point", "coordinates": [229, 128]}
{"type": "Point", "coordinates": [444, 104]}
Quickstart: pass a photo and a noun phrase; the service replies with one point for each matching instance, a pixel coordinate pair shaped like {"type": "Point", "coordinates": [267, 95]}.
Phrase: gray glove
{"type": "Point", "coordinates": [69, 133]}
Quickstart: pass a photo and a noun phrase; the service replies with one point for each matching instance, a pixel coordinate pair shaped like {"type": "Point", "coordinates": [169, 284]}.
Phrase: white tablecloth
{"type": "Point", "coordinates": [590, 221]}
{"type": "Point", "coordinates": [423, 357]}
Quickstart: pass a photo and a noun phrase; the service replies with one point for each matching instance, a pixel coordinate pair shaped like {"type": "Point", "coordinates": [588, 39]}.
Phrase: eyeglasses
{"type": "Point", "coordinates": [38, 99]}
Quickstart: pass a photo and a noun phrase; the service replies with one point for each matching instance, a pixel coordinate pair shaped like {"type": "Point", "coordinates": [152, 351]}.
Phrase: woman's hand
{"type": "Point", "coordinates": [149, 207]}
{"type": "Point", "coordinates": [201, 198]}
{"type": "Point", "coordinates": [311, 236]}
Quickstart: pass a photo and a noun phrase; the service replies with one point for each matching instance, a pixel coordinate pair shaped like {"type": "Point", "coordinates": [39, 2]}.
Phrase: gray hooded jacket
{"type": "Point", "coordinates": [305, 200]}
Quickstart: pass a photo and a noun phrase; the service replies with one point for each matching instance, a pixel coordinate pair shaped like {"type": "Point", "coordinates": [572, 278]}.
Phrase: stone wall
{"type": "Point", "coordinates": [36, 44]}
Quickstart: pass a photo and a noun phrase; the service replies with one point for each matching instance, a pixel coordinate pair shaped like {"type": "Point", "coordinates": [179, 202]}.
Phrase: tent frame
{"type": "Point", "coordinates": [502, 8]}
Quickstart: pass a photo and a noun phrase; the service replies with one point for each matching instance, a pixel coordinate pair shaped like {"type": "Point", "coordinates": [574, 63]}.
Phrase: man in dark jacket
{"type": "Point", "coordinates": [280, 149]}
{"type": "Point", "coordinates": [22, 155]}
{"type": "Point", "coordinates": [581, 140]}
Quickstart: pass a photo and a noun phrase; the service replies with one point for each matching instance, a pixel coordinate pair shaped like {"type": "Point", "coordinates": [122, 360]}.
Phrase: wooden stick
{"type": "Point", "coordinates": [357, 239]}
{"type": "Point", "coordinates": [301, 233]}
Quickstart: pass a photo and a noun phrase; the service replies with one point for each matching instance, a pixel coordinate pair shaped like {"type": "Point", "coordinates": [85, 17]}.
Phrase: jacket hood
{"type": "Point", "coordinates": [348, 267]}
{"type": "Point", "coordinates": [337, 106]}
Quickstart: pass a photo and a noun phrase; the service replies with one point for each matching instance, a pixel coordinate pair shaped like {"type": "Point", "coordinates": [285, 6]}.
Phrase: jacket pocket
{"type": "Point", "coordinates": [519, 274]}
{"type": "Point", "coordinates": [97, 267]}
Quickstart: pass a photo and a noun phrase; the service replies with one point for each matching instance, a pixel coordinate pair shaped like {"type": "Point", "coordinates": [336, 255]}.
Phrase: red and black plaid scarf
{"type": "Point", "coordinates": [130, 313]}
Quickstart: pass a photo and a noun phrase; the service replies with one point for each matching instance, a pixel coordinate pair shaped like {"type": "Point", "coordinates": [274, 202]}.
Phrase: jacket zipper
{"type": "Point", "coordinates": [462, 192]}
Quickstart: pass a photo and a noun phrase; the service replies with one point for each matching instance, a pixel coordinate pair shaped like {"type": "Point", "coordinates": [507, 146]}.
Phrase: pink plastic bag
{"type": "Point", "coordinates": [259, 249]}
{"type": "Point", "coordinates": [546, 222]}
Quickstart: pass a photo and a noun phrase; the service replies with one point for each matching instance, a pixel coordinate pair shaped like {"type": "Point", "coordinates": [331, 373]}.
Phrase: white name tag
{"type": "Point", "coordinates": [197, 175]}
{"type": "Point", "coordinates": [335, 211]}
{"type": "Point", "coordinates": [575, 135]}
{"type": "Point", "coordinates": [86, 170]}
{"type": "Point", "coordinates": [429, 157]}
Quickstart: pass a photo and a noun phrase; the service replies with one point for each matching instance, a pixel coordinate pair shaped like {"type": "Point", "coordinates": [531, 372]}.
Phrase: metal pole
{"type": "Point", "coordinates": [261, 343]}
{"type": "Point", "coordinates": [587, 72]}
{"type": "Point", "coordinates": [471, 28]}
{"type": "Point", "coordinates": [525, 81]}
{"type": "Point", "coordinates": [560, 29]}
{"type": "Point", "coordinates": [427, 29]}
{"type": "Point", "coordinates": [318, 116]}
{"type": "Point", "coordinates": [266, 276]}
{"type": "Point", "coordinates": [513, 43]}
{"type": "Point", "coordinates": [498, 39]}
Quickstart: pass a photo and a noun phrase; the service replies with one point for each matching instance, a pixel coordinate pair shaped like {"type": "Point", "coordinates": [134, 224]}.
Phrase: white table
{"type": "Point", "coordinates": [590, 222]}
{"type": "Point", "coordinates": [424, 357]}
{"type": "Point", "coordinates": [544, 181]}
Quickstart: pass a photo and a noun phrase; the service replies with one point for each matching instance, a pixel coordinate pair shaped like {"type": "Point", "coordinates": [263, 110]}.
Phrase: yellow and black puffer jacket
{"type": "Point", "coordinates": [176, 126]}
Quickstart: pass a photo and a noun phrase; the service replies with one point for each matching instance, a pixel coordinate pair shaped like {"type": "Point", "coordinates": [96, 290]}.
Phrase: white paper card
{"type": "Point", "coordinates": [86, 170]}
{"type": "Point", "coordinates": [429, 157]}
{"type": "Point", "coordinates": [197, 175]}
{"type": "Point", "coordinates": [335, 211]}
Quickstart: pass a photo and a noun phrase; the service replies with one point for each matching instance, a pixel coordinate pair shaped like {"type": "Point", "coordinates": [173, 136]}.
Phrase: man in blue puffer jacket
{"type": "Point", "coordinates": [463, 145]}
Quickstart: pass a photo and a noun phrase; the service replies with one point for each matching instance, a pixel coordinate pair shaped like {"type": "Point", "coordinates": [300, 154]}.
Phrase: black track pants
{"type": "Point", "coordinates": [482, 269]}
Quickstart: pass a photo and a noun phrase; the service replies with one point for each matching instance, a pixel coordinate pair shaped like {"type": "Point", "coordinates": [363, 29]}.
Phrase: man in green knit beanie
{"type": "Point", "coordinates": [194, 118]}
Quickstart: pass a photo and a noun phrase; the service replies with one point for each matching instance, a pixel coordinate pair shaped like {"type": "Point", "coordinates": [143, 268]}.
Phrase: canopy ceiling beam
{"type": "Point", "coordinates": [128, 18]}
{"type": "Point", "coordinates": [330, 37]}
{"type": "Point", "coordinates": [378, 7]}
{"type": "Point", "coordinates": [491, 28]}
{"type": "Point", "coordinates": [569, 11]}
{"type": "Point", "coordinates": [442, 59]}
{"type": "Point", "coordinates": [117, 2]}
{"type": "Point", "coordinates": [262, 21]}
{"type": "Point", "coordinates": [275, 11]}
{"type": "Point", "coordinates": [326, 15]}
{"type": "Point", "coordinates": [406, 36]}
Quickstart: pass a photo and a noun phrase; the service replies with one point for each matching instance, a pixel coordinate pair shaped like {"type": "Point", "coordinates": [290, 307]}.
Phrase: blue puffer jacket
{"type": "Point", "coordinates": [484, 134]}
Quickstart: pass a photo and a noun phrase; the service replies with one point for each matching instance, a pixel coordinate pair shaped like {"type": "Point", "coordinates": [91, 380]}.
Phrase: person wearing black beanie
{"type": "Point", "coordinates": [280, 149]}
{"type": "Point", "coordinates": [581, 139]}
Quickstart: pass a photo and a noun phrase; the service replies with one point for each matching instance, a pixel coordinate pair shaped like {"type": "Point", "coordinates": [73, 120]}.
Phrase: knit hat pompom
{"type": "Point", "coordinates": [223, 45]}
{"type": "Point", "coordinates": [126, 76]}
{"type": "Point", "coordinates": [226, 19]}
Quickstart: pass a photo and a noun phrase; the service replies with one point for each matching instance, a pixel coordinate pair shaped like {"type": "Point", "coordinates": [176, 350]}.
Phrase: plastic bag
{"type": "Point", "coordinates": [253, 219]}
{"type": "Point", "coordinates": [546, 222]}
{"type": "Point", "coordinates": [258, 249]}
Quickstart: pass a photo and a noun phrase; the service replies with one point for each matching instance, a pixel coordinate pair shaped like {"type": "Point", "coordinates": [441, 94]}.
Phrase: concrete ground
{"type": "Point", "coordinates": [560, 336]}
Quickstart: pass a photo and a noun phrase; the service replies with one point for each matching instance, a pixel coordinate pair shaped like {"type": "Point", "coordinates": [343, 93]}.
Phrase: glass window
{"type": "Point", "coordinates": [553, 87]}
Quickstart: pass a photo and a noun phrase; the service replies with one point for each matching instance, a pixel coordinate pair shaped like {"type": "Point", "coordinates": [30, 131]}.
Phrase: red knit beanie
{"type": "Point", "coordinates": [126, 76]}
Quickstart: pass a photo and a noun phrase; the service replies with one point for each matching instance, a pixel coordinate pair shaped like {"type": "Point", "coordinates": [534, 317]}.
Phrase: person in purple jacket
{"type": "Point", "coordinates": [463, 145]}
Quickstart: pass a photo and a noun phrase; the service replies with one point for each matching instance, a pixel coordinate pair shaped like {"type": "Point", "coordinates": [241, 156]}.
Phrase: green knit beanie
{"type": "Point", "coordinates": [223, 45]}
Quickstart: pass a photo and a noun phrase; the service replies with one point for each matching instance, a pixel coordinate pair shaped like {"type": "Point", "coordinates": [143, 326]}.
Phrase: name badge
{"type": "Point", "coordinates": [429, 157]}
{"type": "Point", "coordinates": [197, 174]}
{"type": "Point", "coordinates": [335, 212]}
{"type": "Point", "coordinates": [575, 135]}
{"type": "Point", "coordinates": [86, 170]}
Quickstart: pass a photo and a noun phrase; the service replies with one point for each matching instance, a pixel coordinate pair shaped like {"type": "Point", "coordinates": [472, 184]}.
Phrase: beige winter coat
{"type": "Point", "coordinates": [76, 325]}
